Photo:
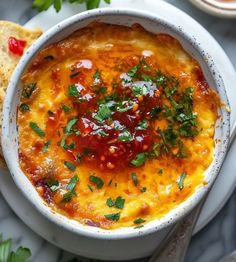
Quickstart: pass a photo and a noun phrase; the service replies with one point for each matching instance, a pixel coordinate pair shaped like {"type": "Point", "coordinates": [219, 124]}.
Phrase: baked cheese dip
{"type": "Point", "coordinates": [116, 125]}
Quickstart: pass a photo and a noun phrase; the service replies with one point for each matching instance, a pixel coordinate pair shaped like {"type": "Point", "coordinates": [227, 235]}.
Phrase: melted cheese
{"type": "Point", "coordinates": [104, 46]}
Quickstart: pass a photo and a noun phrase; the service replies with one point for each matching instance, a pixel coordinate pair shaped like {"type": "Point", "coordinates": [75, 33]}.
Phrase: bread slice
{"type": "Point", "coordinates": [8, 60]}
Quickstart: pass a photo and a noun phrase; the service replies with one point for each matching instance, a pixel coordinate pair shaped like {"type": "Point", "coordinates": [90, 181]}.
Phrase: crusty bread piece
{"type": "Point", "coordinates": [8, 61]}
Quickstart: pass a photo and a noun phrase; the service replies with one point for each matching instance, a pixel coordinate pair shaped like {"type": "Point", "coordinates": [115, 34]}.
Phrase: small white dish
{"type": "Point", "coordinates": [220, 8]}
{"type": "Point", "coordinates": [68, 240]}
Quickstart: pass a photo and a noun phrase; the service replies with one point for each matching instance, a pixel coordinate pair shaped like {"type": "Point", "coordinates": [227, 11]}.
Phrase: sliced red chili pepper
{"type": "Point", "coordinates": [16, 46]}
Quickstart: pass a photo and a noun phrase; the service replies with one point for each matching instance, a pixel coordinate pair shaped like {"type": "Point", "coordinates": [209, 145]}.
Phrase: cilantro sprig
{"type": "Point", "coordinates": [43, 5]}
{"type": "Point", "coordinates": [22, 254]}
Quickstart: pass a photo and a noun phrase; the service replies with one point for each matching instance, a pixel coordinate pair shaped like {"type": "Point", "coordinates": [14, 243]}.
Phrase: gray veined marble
{"type": "Point", "coordinates": [216, 240]}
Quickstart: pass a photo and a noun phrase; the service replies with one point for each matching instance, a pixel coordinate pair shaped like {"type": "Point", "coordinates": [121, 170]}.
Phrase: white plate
{"type": "Point", "coordinates": [226, 181]}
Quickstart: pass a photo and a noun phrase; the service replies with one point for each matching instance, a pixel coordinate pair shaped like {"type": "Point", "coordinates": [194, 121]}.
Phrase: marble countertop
{"type": "Point", "coordinates": [213, 242]}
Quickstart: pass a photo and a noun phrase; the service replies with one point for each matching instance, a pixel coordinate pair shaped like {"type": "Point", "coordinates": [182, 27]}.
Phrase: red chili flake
{"type": "Point", "coordinates": [16, 46]}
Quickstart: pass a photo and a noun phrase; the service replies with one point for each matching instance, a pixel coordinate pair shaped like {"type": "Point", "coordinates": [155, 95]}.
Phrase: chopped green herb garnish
{"type": "Point", "coordinates": [74, 74]}
{"type": "Point", "coordinates": [72, 184]}
{"type": "Point", "coordinates": [97, 181]}
{"type": "Point", "coordinates": [103, 90]}
{"type": "Point", "coordinates": [97, 76]}
{"type": "Point", "coordinates": [78, 157]}
{"type": "Point", "coordinates": [125, 136]}
{"type": "Point", "coordinates": [103, 113]}
{"type": "Point", "coordinates": [102, 133]}
{"type": "Point", "coordinates": [54, 185]}
{"type": "Point", "coordinates": [139, 160]}
{"type": "Point", "coordinates": [139, 90]}
{"type": "Point", "coordinates": [119, 202]}
{"type": "Point", "coordinates": [155, 111]}
{"type": "Point", "coordinates": [110, 182]}
{"type": "Point", "coordinates": [133, 71]}
{"type": "Point", "coordinates": [139, 221]}
{"type": "Point", "coordinates": [113, 217]}
{"type": "Point", "coordinates": [134, 178]}
{"type": "Point", "coordinates": [46, 146]}
{"type": "Point", "coordinates": [66, 146]}
{"type": "Point", "coordinates": [90, 188]}
{"type": "Point", "coordinates": [70, 125]}
{"type": "Point", "coordinates": [110, 202]}
{"type": "Point", "coordinates": [37, 129]}
{"type": "Point", "coordinates": [160, 171]}
{"type": "Point", "coordinates": [73, 91]}
{"type": "Point", "coordinates": [142, 125]}
{"type": "Point", "coordinates": [24, 108]}
{"type": "Point", "coordinates": [28, 90]}
{"type": "Point", "coordinates": [65, 108]}
{"type": "Point", "coordinates": [69, 165]}
{"type": "Point", "coordinates": [180, 182]}
{"type": "Point", "coordinates": [143, 189]}
{"type": "Point", "coordinates": [67, 197]}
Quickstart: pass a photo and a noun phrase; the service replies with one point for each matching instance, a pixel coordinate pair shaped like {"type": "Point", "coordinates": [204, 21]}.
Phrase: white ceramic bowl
{"type": "Point", "coordinates": [107, 240]}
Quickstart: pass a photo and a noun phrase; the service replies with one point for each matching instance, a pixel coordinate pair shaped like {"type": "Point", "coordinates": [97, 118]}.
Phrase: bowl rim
{"type": "Point", "coordinates": [215, 9]}
{"type": "Point", "coordinates": [69, 224]}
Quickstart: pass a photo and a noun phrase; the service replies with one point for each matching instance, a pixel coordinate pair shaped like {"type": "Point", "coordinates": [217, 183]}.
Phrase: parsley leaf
{"type": "Point", "coordinates": [139, 160]}
{"type": "Point", "coordinates": [119, 202]}
{"type": "Point", "coordinates": [67, 197]}
{"type": "Point", "coordinates": [134, 178]}
{"type": "Point", "coordinates": [69, 165]}
{"type": "Point", "coordinates": [70, 125]}
{"type": "Point", "coordinates": [46, 145]}
{"type": "Point", "coordinates": [143, 189]}
{"type": "Point", "coordinates": [180, 182]}
{"type": "Point", "coordinates": [133, 71]}
{"type": "Point", "coordinates": [54, 185]}
{"type": "Point", "coordinates": [103, 113]}
{"type": "Point", "coordinates": [139, 221]}
{"type": "Point", "coordinates": [125, 136]}
{"type": "Point", "coordinates": [37, 129]}
{"type": "Point", "coordinates": [113, 217]}
{"type": "Point", "coordinates": [73, 182]}
{"type": "Point", "coordinates": [142, 125]}
{"type": "Point", "coordinates": [110, 202]}
{"type": "Point", "coordinates": [65, 108]}
{"type": "Point", "coordinates": [73, 91]}
{"type": "Point", "coordinates": [97, 181]}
